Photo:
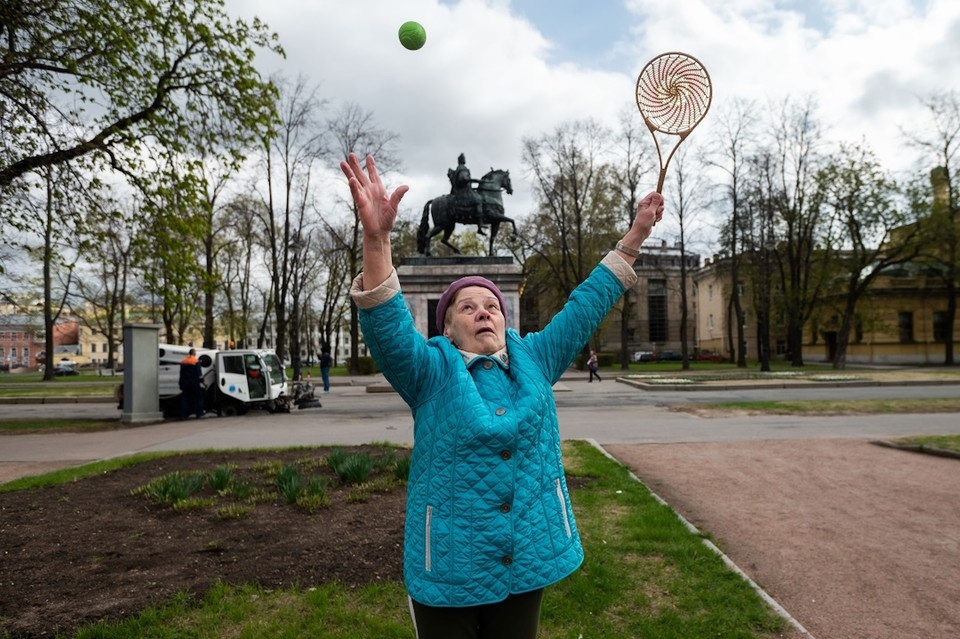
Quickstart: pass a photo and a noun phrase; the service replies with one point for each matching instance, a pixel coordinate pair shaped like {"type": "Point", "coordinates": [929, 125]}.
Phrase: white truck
{"type": "Point", "coordinates": [235, 380]}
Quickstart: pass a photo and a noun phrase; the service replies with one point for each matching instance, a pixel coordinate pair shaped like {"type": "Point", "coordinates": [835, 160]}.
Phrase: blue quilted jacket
{"type": "Point", "coordinates": [488, 513]}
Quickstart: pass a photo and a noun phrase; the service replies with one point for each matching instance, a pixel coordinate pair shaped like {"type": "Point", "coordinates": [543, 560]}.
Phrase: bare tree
{"type": "Point", "coordinates": [289, 163]}
{"type": "Point", "coordinates": [238, 262]}
{"type": "Point", "coordinates": [59, 221]}
{"type": "Point", "coordinates": [355, 131]}
{"type": "Point", "coordinates": [332, 291]}
{"type": "Point", "coordinates": [736, 123]}
{"type": "Point", "coordinates": [103, 285]}
{"type": "Point", "coordinates": [799, 217]}
{"type": "Point", "coordinates": [689, 193]}
{"type": "Point", "coordinates": [630, 167]}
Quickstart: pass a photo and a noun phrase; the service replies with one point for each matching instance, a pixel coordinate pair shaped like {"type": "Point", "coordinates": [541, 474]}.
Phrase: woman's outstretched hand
{"type": "Point", "coordinates": [378, 211]}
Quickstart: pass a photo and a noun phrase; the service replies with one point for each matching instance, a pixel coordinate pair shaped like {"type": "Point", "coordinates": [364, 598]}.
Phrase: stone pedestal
{"type": "Point", "coordinates": [424, 279]}
{"type": "Point", "coordinates": [141, 374]}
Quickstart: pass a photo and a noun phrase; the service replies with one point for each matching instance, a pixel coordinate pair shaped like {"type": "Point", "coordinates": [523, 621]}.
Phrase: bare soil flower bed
{"type": "Point", "coordinates": [100, 549]}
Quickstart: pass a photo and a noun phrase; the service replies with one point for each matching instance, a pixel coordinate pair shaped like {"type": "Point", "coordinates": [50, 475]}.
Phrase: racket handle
{"type": "Point", "coordinates": [663, 174]}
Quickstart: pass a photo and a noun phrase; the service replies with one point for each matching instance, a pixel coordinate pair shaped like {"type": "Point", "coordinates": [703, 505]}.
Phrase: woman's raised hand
{"type": "Point", "coordinates": [378, 211]}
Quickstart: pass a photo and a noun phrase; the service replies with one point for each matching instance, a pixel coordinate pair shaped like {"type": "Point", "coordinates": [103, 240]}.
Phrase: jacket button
{"type": "Point", "coordinates": [505, 508]}
{"type": "Point", "coordinates": [488, 364]}
{"type": "Point", "coordinates": [507, 560]}
{"type": "Point", "coordinates": [505, 455]}
{"type": "Point", "coordinates": [500, 411]}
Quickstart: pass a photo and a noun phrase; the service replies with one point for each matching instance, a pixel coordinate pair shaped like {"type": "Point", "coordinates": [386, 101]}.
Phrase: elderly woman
{"type": "Point", "coordinates": [489, 523]}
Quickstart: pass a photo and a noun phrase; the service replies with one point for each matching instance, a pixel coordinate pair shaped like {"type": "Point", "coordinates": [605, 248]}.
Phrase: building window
{"type": "Point", "coordinates": [93, 347]}
{"type": "Point", "coordinates": [905, 323]}
{"type": "Point", "coordinates": [657, 309]}
{"type": "Point", "coordinates": [710, 293]}
{"type": "Point", "coordinates": [939, 326]}
{"type": "Point", "coordinates": [710, 321]}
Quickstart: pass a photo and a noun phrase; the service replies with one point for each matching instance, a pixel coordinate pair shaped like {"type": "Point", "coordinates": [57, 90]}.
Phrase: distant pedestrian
{"type": "Point", "coordinates": [592, 365]}
{"type": "Point", "coordinates": [325, 361]}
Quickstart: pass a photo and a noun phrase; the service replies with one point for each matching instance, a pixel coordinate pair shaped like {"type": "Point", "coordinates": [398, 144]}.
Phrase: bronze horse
{"type": "Point", "coordinates": [447, 214]}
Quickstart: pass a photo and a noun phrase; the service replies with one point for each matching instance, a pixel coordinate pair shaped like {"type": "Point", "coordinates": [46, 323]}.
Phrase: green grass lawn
{"type": "Point", "coordinates": [645, 575]}
{"type": "Point", "coordinates": [941, 442]}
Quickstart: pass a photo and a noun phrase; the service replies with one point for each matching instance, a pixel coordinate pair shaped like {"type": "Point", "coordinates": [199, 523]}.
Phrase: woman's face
{"type": "Point", "coordinates": [474, 321]}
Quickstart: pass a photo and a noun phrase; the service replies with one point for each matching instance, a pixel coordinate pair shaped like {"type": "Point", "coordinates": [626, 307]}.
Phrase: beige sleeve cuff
{"type": "Point", "coordinates": [377, 295]}
{"type": "Point", "coordinates": [620, 267]}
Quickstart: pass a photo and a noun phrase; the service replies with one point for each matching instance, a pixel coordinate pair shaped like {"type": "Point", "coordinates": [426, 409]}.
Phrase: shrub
{"type": "Point", "coordinates": [366, 366]}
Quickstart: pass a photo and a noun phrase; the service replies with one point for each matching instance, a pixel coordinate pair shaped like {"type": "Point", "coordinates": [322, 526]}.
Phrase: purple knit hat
{"type": "Point", "coordinates": [463, 282]}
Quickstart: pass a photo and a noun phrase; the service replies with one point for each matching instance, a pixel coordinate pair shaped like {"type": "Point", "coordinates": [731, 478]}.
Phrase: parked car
{"type": "Point", "coordinates": [668, 356]}
{"type": "Point", "coordinates": [710, 356]}
{"type": "Point", "coordinates": [642, 356]}
{"type": "Point", "coordinates": [64, 369]}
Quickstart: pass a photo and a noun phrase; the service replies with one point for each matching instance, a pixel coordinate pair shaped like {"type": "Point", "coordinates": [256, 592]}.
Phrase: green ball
{"type": "Point", "coordinates": [412, 35]}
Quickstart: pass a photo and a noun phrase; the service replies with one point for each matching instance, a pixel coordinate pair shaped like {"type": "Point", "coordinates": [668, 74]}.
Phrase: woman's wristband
{"type": "Point", "coordinates": [626, 250]}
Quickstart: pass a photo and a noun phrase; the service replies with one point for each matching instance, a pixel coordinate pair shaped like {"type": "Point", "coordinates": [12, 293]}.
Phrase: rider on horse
{"type": "Point", "coordinates": [465, 197]}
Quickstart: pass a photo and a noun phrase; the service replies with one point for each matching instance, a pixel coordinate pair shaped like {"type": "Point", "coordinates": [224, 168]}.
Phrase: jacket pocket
{"type": "Point", "coordinates": [558, 519]}
{"type": "Point", "coordinates": [443, 555]}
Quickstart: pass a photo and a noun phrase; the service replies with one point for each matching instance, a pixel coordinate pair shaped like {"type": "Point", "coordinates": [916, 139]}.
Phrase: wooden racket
{"type": "Point", "coordinates": [673, 95]}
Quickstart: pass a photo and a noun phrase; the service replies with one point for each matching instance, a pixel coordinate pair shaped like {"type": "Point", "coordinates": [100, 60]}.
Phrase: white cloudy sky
{"type": "Point", "coordinates": [495, 71]}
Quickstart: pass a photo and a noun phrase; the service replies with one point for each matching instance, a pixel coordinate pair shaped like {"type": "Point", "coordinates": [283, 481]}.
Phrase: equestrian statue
{"type": "Point", "coordinates": [466, 204]}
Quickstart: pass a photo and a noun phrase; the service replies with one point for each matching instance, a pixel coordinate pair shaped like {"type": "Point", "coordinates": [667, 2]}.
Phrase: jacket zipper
{"type": "Point", "coordinates": [563, 508]}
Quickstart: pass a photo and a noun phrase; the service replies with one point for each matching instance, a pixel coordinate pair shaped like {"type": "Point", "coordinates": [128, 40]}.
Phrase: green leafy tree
{"type": "Point", "coordinates": [100, 78]}
{"type": "Point", "coordinates": [940, 142]}
{"type": "Point", "coordinates": [873, 233]}
{"type": "Point", "coordinates": [576, 219]}
{"type": "Point", "coordinates": [167, 247]}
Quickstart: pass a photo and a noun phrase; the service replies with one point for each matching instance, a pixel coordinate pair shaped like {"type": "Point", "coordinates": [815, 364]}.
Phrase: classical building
{"type": "Point", "coordinates": [900, 320]}
{"type": "Point", "coordinates": [657, 302]}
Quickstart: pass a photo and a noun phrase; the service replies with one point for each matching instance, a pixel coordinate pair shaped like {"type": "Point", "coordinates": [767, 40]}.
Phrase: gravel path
{"type": "Point", "coordinates": [854, 540]}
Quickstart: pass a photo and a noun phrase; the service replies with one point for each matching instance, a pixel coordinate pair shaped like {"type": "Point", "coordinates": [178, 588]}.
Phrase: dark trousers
{"type": "Point", "coordinates": [594, 373]}
{"type": "Point", "coordinates": [516, 617]}
{"type": "Point", "coordinates": [191, 399]}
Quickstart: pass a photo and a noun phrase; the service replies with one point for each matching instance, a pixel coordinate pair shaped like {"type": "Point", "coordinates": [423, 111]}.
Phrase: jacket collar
{"type": "Point", "coordinates": [501, 357]}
